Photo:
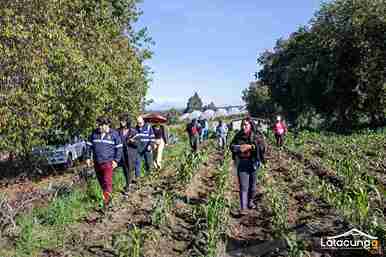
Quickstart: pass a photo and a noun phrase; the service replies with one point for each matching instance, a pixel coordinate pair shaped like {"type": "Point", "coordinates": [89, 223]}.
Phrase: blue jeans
{"type": "Point", "coordinates": [204, 134]}
{"type": "Point", "coordinates": [148, 158]}
{"type": "Point", "coordinates": [247, 171]}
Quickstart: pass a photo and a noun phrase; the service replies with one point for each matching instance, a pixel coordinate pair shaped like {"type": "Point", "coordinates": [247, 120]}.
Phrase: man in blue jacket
{"type": "Point", "coordinates": [106, 147]}
{"type": "Point", "coordinates": [145, 140]}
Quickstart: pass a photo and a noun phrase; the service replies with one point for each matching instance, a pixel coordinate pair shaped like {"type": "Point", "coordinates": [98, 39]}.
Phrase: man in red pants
{"type": "Point", "coordinates": [106, 147]}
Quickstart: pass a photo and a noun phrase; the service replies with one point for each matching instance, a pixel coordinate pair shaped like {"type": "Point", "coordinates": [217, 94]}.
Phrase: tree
{"type": "Point", "coordinates": [172, 116]}
{"type": "Point", "coordinates": [259, 101]}
{"type": "Point", "coordinates": [64, 64]}
{"type": "Point", "coordinates": [210, 106]}
{"type": "Point", "coordinates": [194, 103]}
{"type": "Point", "coordinates": [334, 65]}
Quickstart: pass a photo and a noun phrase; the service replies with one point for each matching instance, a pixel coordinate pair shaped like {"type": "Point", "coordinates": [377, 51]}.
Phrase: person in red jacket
{"type": "Point", "coordinates": [194, 131]}
{"type": "Point", "coordinates": [279, 130]}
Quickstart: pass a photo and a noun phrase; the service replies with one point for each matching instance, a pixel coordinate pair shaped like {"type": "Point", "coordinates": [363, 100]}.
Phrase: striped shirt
{"type": "Point", "coordinates": [144, 137]}
{"type": "Point", "coordinates": [105, 149]}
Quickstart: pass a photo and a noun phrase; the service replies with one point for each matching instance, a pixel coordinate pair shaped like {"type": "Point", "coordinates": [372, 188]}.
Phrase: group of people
{"type": "Point", "coordinates": [198, 132]}
{"type": "Point", "coordinates": [128, 147]}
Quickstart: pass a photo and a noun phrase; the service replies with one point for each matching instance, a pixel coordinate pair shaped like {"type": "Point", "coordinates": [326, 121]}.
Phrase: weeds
{"type": "Point", "coordinates": [279, 208]}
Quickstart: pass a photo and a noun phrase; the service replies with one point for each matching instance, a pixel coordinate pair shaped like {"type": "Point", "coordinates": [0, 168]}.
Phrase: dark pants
{"type": "Point", "coordinates": [279, 139]}
{"type": "Point", "coordinates": [194, 142]}
{"type": "Point", "coordinates": [247, 181]}
{"type": "Point", "coordinates": [148, 158]}
{"type": "Point", "coordinates": [104, 174]}
{"type": "Point", "coordinates": [128, 164]}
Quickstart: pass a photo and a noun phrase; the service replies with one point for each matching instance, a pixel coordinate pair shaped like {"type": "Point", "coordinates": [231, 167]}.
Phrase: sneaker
{"type": "Point", "coordinates": [251, 205]}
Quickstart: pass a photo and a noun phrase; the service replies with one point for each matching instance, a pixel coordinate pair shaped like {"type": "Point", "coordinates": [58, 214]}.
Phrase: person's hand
{"type": "Point", "coordinates": [114, 164]}
{"type": "Point", "coordinates": [245, 147]}
{"type": "Point", "coordinates": [149, 148]}
{"type": "Point", "coordinates": [88, 163]}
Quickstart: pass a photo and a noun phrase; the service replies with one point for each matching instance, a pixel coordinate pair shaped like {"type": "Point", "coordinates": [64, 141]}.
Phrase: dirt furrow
{"type": "Point", "coordinates": [306, 216]}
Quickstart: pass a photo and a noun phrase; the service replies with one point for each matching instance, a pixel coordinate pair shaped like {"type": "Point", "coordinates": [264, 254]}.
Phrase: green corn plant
{"type": "Point", "coordinates": [129, 244]}
{"type": "Point", "coordinates": [136, 237]}
{"type": "Point", "coordinates": [362, 205]}
{"type": "Point", "coordinates": [162, 207]}
{"type": "Point", "coordinates": [118, 180]}
{"type": "Point", "coordinates": [26, 242]}
{"type": "Point", "coordinates": [185, 170]}
{"type": "Point", "coordinates": [296, 247]}
{"type": "Point", "coordinates": [216, 213]}
{"type": "Point", "coordinates": [279, 209]}
{"type": "Point", "coordinates": [93, 192]}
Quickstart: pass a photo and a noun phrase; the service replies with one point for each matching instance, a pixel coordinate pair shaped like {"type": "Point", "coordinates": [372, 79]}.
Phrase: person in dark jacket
{"type": "Point", "coordinates": [248, 148]}
{"type": "Point", "coordinates": [161, 140]}
{"type": "Point", "coordinates": [144, 141]}
{"type": "Point", "coordinates": [129, 152]}
{"type": "Point", "coordinates": [105, 146]}
{"type": "Point", "coordinates": [194, 131]}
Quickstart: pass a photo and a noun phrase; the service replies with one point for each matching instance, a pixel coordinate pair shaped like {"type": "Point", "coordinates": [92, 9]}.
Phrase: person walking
{"type": "Point", "coordinates": [145, 142]}
{"type": "Point", "coordinates": [221, 134]}
{"type": "Point", "coordinates": [129, 152]}
{"type": "Point", "coordinates": [194, 130]}
{"type": "Point", "coordinates": [105, 146]}
{"type": "Point", "coordinates": [279, 130]}
{"type": "Point", "coordinates": [161, 140]}
{"type": "Point", "coordinates": [248, 148]}
{"type": "Point", "coordinates": [206, 129]}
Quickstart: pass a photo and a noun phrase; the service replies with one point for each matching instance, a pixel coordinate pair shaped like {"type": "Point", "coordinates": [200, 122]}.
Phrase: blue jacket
{"type": "Point", "coordinates": [105, 149]}
{"type": "Point", "coordinates": [221, 131]}
{"type": "Point", "coordinates": [144, 137]}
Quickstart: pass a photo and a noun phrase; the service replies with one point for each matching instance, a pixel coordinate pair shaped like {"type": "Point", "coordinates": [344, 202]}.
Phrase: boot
{"type": "Point", "coordinates": [243, 202]}
{"type": "Point", "coordinates": [251, 197]}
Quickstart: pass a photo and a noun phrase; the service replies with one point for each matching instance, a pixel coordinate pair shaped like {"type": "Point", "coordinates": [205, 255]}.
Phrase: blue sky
{"type": "Point", "coordinates": [211, 47]}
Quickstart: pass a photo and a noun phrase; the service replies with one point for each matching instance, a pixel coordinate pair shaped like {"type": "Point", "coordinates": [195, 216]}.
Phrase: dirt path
{"type": "Point", "coordinates": [307, 216]}
{"type": "Point", "coordinates": [95, 235]}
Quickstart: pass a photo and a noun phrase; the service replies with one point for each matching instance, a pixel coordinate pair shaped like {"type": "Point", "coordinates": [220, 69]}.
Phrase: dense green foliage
{"type": "Point", "coordinates": [194, 103]}
{"type": "Point", "coordinates": [334, 66]}
{"type": "Point", "coordinates": [65, 62]}
{"type": "Point", "coordinates": [259, 101]}
{"type": "Point", "coordinates": [172, 116]}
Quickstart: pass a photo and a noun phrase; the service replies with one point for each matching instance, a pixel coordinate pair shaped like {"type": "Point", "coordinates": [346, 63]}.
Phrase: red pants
{"type": "Point", "coordinates": [104, 173]}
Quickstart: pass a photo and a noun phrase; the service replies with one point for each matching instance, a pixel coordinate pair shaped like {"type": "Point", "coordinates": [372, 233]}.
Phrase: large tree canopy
{"type": "Point", "coordinates": [65, 62]}
{"type": "Point", "coordinates": [194, 103]}
{"type": "Point", "coordinates": [335, 65]}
